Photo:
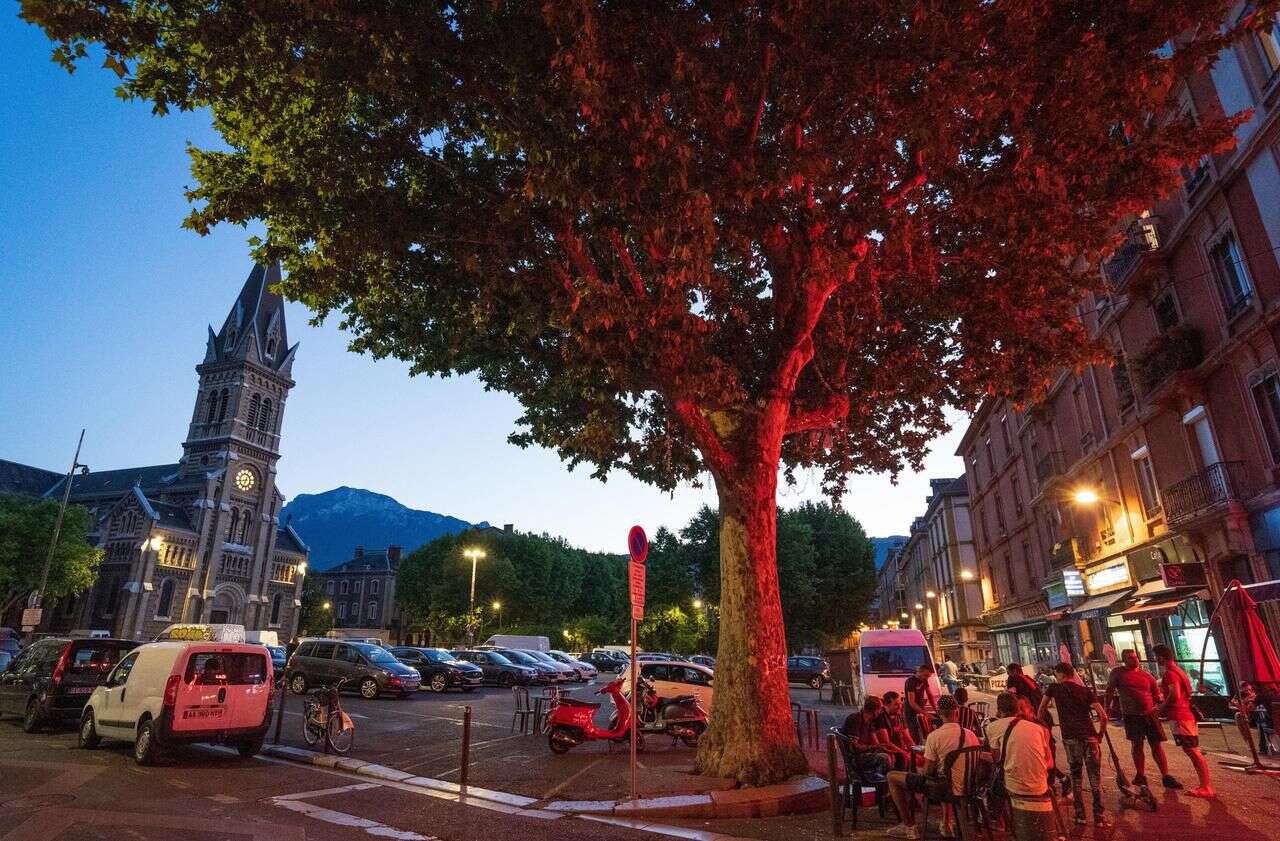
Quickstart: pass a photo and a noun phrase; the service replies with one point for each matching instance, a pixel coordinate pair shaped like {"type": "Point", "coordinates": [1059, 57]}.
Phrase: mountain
{"type": "Point", "coordinates": [335, 522]}
{"type": "Point", "coordinates": [884, 544]}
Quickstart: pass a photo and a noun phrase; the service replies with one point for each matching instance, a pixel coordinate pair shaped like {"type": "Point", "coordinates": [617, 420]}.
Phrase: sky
{"type": "Point", "coordinates": [104, 302]}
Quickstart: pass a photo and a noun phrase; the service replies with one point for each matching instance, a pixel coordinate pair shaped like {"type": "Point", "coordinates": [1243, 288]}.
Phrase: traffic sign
{"type": "Point", "coordinates": [31, 618]}
{"type": "Point", "coordinates": [637, 544]}
{"type": "Point", "coordinates": [637, 590]}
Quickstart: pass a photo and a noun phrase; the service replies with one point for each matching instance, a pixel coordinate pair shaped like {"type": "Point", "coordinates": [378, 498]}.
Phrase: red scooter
{"type": "Point", "coordinates": [572, 722]}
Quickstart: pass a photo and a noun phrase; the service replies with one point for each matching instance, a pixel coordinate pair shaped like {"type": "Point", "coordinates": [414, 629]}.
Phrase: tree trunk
{"type": "Point", "coordinates": [751, 736]}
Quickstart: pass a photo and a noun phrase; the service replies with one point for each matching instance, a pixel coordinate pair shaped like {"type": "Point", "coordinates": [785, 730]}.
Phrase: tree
{"type": "Point", "coordinates": [668, 577]}
{"type": "Point", "coordinates": [26, 527]}
{"type": "Point", "coordinates": [843, 572]}
{"type": "Point", "coordinates": [315, 619]}
{"type": "Point", "coordinates": [693, 238]}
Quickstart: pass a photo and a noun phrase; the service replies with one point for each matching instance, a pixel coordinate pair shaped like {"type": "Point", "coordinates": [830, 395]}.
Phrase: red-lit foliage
{"type": "Point", "coordinates": [690, 236]}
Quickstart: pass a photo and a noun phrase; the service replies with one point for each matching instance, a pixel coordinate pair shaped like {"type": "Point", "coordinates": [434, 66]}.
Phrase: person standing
{"type": "Point", "coordinates": [1081, 738]}
{"type": "Point", "coordinates": [916, 693]}
{"type": "Point", "coordinates": [903, 786]}
{"type": "Point", "coordinates": [1022, 750]}
{"type": "Point", "coordinates": [1176, 687]}
{"type": "Point", "coordinates": [948, 674]}
{"type": "Point", "coordinates": [1025, 689]}
{"type": "Point", "coordinates": [1139, 693]}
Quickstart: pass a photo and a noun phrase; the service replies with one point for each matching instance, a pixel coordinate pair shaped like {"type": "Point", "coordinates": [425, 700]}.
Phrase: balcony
{"type": "Point", "coordinates": [282, 573]}
{"type": "Point", "coordinates": [1142, 237]}
{"type": "Point", "coordinates": [1050, 465]}
{"type": "Point", "coordinates": [1179, 349]}
{"type": "Point", "coordinates": [1206, 491]}
{"type": "Point", "coordinates": [235, 567]}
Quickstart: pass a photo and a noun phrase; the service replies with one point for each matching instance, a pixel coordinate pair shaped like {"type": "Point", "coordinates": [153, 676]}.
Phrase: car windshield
{"type": "Point", "coordinates": [276, 650]}
{"type": "Point", "coordinates": [378, 654]}
{"type": "Point", "coordinates": [893, 660]}
{"type": "Point", "coordinates": [519, 657]}
{"type": "Point", "coordinates": [542, 656]}
{"type": "Point", "coordinates": [438, 655]}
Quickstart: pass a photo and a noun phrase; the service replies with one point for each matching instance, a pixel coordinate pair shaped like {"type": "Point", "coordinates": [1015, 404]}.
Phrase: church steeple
{"type": "Point", "coordinates": [255, 328]}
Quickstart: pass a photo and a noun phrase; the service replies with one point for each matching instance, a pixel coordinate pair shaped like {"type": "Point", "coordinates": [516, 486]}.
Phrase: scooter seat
{"type": "Point", "coordinates": [574, 702]}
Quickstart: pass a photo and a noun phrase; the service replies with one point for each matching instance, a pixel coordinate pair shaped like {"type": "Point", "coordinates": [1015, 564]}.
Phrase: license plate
{"type": "Point", "coordinates": [79, 690]}
{"type": "Point", "coordinates": [205, 712]}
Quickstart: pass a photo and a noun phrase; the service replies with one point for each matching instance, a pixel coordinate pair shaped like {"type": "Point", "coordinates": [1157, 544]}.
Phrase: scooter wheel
{"type": "Point", "coordinates": [561, 740]}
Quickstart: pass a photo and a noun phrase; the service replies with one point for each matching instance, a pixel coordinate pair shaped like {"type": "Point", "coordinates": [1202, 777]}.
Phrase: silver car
{"type": "Point", "coordinates": [586, 671]}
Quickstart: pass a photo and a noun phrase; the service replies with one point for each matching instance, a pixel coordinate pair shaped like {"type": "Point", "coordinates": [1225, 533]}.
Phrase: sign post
{"type": "Point", "coordinates": [638, 547]}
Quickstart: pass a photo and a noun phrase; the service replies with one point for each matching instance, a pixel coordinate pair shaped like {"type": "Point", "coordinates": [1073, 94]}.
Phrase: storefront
{"type": "Point", "coordinates": [1175, 610]}
{"type": "Point", "coordinates": [1022, 635]}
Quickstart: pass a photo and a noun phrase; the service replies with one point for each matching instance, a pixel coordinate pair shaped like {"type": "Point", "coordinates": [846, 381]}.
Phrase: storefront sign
{"type": "Point", "coordinates": [1074, 582]}
{"type": "Point", "coordinates": [1109, 576]}
{"type": "Point", "coordinates": [1183, 575]}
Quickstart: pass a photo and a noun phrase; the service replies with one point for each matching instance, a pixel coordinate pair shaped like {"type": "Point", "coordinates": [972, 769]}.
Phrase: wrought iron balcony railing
{"type": "Point", "coordinates": [1205, 490]}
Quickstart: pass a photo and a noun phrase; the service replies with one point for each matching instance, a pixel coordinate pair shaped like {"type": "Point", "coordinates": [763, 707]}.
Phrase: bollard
{"type": "Point", "coordinates": [466, 743]}
{"type": "Point", "coordinates": [283, 693]}
{"type": "Point", "coordinates": [837, 801]}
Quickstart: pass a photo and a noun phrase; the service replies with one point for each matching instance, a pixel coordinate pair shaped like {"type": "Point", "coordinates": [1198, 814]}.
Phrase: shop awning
{"type": "Point", "coordinates": [1098, 605]}
{"type": "Point", "coordinates": [1162, 603]}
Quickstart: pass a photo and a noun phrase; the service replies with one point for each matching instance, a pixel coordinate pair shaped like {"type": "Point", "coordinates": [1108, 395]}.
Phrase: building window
{"type": "Point", "coordinates": [373, 610]}
{"type": "Point", "coordinates": [275, 609]}
{"type": "Point", "coordinates": [1165, 309]}
{"type": "Point", "coordinates": [1269, 51]}
{"type": "Point", "coordinates": [1147, 487]}
{"type": "Point", "coordinates": [1016, 487]}
{"type": "Point", "coordinates": [373, 588]}
{"type": "Point", "coordinates": [1233, 281]}
{"type": "Point", "coordinates": [113, 596]}
{"type": "Point", "coordinates": [973, 468]}
{"type": "Point", "coordinates": [345, 586]}
{"type": "Point", "coordinates": [252, 420]}
{"type": "Point", "coordinates": [264, 417]}
{"type": "Point", "coordinates": [165, 604]}
{"type": "Point", "coordinates": [1004, 436]}
{"type": "Point", "coordinates": [271, 347]}
{"type": "Point", "coordinates": [328, 588]}
{"type": "Point", "coordinates": [231, 529]}
{"type": "Point", "coordinates": [223, 398]}
{"type": "Point", "coordinates": [357, 586]}
{"type": "Point", "coordinates": [1026, 565]}
{"type": "Point", "coordinates": [342, 610]}
{"type": "Point", "coordinates": [999, 506]}
{"type": "Point", "coordinates": [1266, 395]}
{"type": "Point", "coordinates": [991, 462]}
{"type": "Point", "coordinates": [212, 411]}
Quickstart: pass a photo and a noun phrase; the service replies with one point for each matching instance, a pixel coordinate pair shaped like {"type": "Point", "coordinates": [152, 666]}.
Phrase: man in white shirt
{"type": "Point", "coordinates": [903, 786]}
{"type": "Point", "coordinates": [1022, 748]}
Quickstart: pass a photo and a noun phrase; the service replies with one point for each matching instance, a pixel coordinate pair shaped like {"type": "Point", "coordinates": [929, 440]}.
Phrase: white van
{"type": "Point", "coordinates": [167, 693]}
{"type": "Point", "coordinates": [519, 642]}
{"type": "Point", "coordinates": [887, 658]}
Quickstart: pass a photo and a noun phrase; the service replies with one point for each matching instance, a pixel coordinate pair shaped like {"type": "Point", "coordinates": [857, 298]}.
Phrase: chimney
{"type": "Point", "coordinates": [359, 552]}
{"type": "Point", "coordinates": [393, 554]}
{"type": "Point", "coordinates": [509, 528]}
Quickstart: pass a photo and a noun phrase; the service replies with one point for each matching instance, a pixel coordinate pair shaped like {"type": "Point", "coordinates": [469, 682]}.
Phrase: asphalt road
{"type": "Point", "coordinates": [53, 791]}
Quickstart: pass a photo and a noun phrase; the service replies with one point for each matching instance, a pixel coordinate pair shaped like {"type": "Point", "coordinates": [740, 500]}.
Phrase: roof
{"type": "Point", "coordinates": [102, 482]}
{"type": "Point", "coordinates": [287, 540]}
{"type": "Point", "coordinates": [172, 516]}
{"type": "Point", "coordinates": [257, 311]}
{"type": "Point", "coordinates": [374, 560]}
{"type": "Point", "coordinates": [25, 479]}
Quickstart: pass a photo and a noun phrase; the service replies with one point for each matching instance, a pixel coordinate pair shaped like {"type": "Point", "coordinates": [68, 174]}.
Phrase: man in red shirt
{"type": "Point", "coordinates": [1139, 693]}
{"type": "Point", "coordinates": [1177, 708]}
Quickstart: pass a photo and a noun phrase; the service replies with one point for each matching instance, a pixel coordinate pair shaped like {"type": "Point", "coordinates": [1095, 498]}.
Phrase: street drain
{"type": "Point", "coordinates": [38, 801]}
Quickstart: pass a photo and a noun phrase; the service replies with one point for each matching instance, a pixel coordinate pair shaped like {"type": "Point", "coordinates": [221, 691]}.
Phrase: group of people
{"type": "Point", "coordinates": [1020, 743]}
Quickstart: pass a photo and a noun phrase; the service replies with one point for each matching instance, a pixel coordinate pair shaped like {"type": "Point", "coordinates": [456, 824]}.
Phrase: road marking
{"type": "Point", "coordinates": [374, 828]}
{"type": "Point", "coordinates": [223, 798]}
{"type": "Point", "coordinates": [325, 792]}
{"type": "Point", "coordinates": [662, 829]}
{"type": "Point", "coordinates": [451, 754]}
{"type": "Point", "coordinates": [554, 790]}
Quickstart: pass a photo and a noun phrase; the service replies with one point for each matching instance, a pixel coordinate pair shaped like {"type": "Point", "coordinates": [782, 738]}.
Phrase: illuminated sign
{"type": "Point", "coordinates": [1109, 576]}
{"type": "Point", "coordinates": [1074, 582]}
{"type": "Point", "coordinates": [203, 633]}
{"type": "Point", "coordinates": [1183, 575]}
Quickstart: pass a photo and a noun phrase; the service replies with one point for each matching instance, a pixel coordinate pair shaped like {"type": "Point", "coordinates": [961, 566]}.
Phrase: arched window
{"type": "Point", "coordinates": [166, 599]}
{"type": "Point", "coordinates": [244, 525]}
{"type": "Point", "coordinates": [222, 405]}
{"type": "Point", "coordinates": [264, 418]}
{"type": "Point", "coordinates": [328, 588]}
{"type": "Point", "coordinates": [373, 609]}
{"type": "Point", "coordinates": [252, 420]}
{"type": "Point", "coordinates": [275, 609]}
{"type": "Point", "coordinates": [232, 334]}
{"type": "Point", "coordinates": [235, 521]}
{"type": "Point", "coordinates": [373, 588]}
{"type": "Point", "coordinates": [271, 347]}
{"type": "Point", "coordinates": [212, 410]}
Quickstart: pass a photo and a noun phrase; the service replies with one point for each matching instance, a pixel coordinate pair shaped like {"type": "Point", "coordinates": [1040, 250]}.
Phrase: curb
{"type": "Point", "coordinates": [796, 796]}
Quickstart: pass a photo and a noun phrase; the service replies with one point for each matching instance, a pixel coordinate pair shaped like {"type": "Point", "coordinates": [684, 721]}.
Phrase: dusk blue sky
{"type": "Point", "coordinates": [104, 307]}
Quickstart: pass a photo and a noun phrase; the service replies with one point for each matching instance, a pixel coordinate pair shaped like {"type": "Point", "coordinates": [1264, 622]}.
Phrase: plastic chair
{"type": "Point", "coordinates": [970, 803]}
{"type": "Point", "coordinates": [854, 782]}
{"type": "Point", "coordinates": [523, 711]}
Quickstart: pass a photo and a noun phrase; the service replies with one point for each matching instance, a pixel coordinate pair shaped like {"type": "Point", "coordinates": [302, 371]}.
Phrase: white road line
{"type": "Point", "coordinates": [374, 828]}
{"type": "Point", "coordinates": [324, 792]}
{"type": "Point", "coordinates": [662, 829]}
{"type": "Point", "coordinates": [554, 790]}
{"type": "Point", "coordinates": [453, 753]}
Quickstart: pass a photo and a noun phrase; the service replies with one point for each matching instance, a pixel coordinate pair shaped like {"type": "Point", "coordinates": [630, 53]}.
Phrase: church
{"type": "Point", "coordinates": [199, 540]}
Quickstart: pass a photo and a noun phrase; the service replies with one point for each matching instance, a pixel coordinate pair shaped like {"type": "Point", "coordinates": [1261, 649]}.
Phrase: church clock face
{"type": "Point", "coordinates": [245, 480]}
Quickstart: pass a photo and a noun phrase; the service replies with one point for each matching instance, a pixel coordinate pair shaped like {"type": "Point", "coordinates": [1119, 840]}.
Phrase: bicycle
{"type": "Point", "coordinates": [323, 717]}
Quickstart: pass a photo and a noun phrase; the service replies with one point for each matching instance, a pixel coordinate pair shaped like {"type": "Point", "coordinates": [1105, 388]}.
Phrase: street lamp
{"type": "Point", "coordinates": [905, 615]}
{"type": "Point", "coordinates": [1086, 496]}
{"type": "Point", "coordinates": [326, 606]}
{"type": "Point", "coordinates": [497, 614]}
{"type": "Point", "coordinates": [697, 604]}
{"type": "Point", "coordinates": [919, 606]}
{"type": "Point", "coordinates": [966, 575]}
{"type": "Point", "coordinates": [474, 555]}
{"type": "Point", "coordinates": [930, 595]}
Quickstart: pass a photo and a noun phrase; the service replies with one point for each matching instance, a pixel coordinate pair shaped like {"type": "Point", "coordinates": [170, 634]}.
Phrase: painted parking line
{"type": "Point", "coordinates": [378, 830]}
{"type": "Point", "coordinates": [452, 755]}
{"type": "Point", "coordinates": [326, 792]}
{"type": "Point", "coordinates": [556, 789]}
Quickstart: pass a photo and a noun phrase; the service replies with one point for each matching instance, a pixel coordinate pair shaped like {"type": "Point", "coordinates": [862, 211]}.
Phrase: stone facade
{"type": "Point", "coordinates": [362, 594]}
{"type": "Point", "coordinates": [200, 540]}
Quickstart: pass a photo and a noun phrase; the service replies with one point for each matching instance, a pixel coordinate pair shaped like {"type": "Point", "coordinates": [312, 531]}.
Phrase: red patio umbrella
{"type": "Point", "coordinates": [1252, 652]}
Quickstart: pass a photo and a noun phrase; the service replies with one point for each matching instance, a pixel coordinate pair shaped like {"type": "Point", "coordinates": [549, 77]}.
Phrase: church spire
{"type": "Point", "coordinates": [255, 327]}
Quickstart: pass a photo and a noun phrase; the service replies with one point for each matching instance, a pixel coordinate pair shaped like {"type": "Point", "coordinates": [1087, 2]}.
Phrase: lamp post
{"type": "Point", "coordinates": [473, 554]}
{"type": "Point", "coordinates": [497, 614]}
{"type": "Point", "coordinates": [38, 600]}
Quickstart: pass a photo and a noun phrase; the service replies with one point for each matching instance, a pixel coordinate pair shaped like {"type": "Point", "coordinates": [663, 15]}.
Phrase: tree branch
{"type": "Point", "coordinates": [628, 264]}
{"type": "Point", "coordinates": [709, 444]}
{"type": "Point", "coordinates": [760, 103]}
{"type": "Point", "coordinates": [821, 417]}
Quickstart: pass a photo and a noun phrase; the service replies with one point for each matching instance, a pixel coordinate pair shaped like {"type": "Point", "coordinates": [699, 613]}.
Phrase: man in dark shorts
{"type": "Point", "coordinates": [1176, 687]}
{"type": "Point", "coordinates": [869, 741]}
{"type": "Point", "coordinates": [903, 787]}
{"type": "Point", "coordinates": [1139, 694]}
{"type": "Point", "coordinates": [1080, 736]}
{"type": "Point", "coordinates": [916, 693]}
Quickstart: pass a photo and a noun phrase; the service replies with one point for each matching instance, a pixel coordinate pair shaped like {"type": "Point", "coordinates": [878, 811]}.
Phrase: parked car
{"type": "Point", "coordinates": [51, 679]}
{"type": "Point", "coordinates": [586, 671]}
{"type": "Point", "coordinates": [811, 671]}
{"type": "Point", "coordinates": [603, 661]}
{"type": "Point", "coordinates": [542, 672]}
{"type": "Point", "coordinates": [439, 669]}
{"type": "Point", "coordinates": [168, 693]}
{"type": "Point", "coordinates": [497, 669]}
{"type": "Point", "coordinates": [279, 658]}
{"type": "Point", "coordinates": [564, 672]}
{"type": "Point", "coordinates": [368, 668]}
{"type": "Point", "coordinates": [660, 655]}
{"type": "Point", "coordinates": [703, 660]}
{"type": "Point", "coordinates": [673, 678]}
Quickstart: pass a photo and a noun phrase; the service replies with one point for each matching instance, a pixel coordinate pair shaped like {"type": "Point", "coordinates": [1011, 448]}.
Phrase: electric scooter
{"type": "Point", "coordinates": [1132, 795]}
{"type": "Point", "coordinates": [572, 722]}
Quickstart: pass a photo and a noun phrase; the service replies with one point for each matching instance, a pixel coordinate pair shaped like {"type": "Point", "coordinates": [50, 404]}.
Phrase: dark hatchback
{"type": "Point", "coordinates": [440, 670]}
{"type": "Point", "coordinates": [497, 669]}
{"type": "Point", "coordinates": [811, 671]}
{"type": "Point", "coordinates": [52, 678]}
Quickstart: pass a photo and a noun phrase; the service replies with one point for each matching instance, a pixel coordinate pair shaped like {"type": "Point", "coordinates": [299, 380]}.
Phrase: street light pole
{"type": "Point", "coordinates": [57, 524]}
{"type": "Point", "coordinates": [474, 555]}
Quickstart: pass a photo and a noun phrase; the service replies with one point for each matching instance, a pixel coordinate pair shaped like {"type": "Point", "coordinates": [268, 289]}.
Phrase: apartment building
{"type": "Point", "coordinates": [1112, 514]}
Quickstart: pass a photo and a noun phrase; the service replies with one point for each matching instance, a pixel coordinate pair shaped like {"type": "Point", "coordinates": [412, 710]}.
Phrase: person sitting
{"type": "Point", "coordinates": [895, 723]}
{"type": "Point", "coordinates": [211, 673]}
{"type": "Point", "coordinates": [968, 717]}
{"type": "Point", "coordinates": [918, 702]}
{"type": "Point", "coordinates": [1022, 750]}
{"type": "Point", "coordinates": [869, 741]}
{"type": "Point", "coordinates": [903, 786]}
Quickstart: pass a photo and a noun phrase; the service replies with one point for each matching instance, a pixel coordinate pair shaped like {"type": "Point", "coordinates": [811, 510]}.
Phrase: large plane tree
{"type": "Point", "coordinates": [695, 238]}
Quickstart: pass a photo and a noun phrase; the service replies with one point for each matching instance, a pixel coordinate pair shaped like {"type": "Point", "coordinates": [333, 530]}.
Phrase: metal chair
{"type": "Point", "coordinates": [854, 782]}
{"type": "Point", "coordinates": [970, 803]}
{"type": "Point", "coordinates": [523, 712]}
{"type": "Point", "coordinates": [543, 704]}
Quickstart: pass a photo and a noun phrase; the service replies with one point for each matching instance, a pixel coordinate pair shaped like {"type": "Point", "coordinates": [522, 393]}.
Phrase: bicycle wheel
{"type": "Point", "coordinates": [340, 737]}
{"type": "Point", "coordinates": [312, 729]}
